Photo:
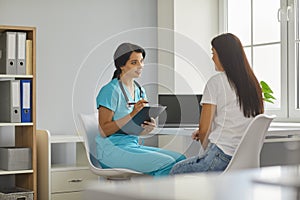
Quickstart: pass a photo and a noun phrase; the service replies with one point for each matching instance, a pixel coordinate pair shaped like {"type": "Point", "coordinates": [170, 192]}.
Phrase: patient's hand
{"type": "Point", "coordinates": [148, 126]}
{"type": "Point", "coordinates": [196, 135]}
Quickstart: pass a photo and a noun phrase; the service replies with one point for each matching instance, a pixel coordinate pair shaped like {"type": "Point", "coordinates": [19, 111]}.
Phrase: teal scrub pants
{"type": "Point", "coordinates": [131, 155]}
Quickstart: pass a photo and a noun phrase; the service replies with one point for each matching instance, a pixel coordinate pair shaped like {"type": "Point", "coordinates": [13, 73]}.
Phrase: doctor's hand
{"type": "Point", "coordinates": [148, 126]}
{"type": "Point", "coordinates": [138, 106]}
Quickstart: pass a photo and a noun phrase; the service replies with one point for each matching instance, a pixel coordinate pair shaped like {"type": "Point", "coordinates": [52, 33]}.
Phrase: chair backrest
{"type": "Point", "coordinates": [90, 126]}
{"type": "Point", "coordinates": [247, 154]}
{"type": "Point", "coordinates": [91, 130]}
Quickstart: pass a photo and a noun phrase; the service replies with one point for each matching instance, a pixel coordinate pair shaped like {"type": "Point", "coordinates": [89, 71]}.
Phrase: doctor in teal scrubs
{"type": "Point", "coordinates": [117, 102]}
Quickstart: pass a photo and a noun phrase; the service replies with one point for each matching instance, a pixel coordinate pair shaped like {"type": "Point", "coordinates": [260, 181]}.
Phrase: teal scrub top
{"type": "Point", "coordinates": [111, 97]}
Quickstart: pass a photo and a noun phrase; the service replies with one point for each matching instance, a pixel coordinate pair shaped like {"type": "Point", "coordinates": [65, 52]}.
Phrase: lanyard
{"type": "Point", "coordinates": [124, 92]}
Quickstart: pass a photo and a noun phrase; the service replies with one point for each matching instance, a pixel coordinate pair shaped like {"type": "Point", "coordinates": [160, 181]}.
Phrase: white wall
{"type": "Point", "coordinates": [195, 24]}
{"type": "Point", "coordinates": [165, 33]}
{"type": "Point", "coordinates": [75, 43]}
{"type": "Point", "coordinates": [76, 40]}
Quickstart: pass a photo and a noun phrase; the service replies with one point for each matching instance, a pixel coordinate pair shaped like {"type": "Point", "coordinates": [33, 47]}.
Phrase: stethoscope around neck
{"type": "Point", "coordinates": [125, 94]}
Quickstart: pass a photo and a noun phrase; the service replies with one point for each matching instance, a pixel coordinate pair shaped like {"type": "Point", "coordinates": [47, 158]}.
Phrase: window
{"type": "Point", "coordinates": [269, 31]}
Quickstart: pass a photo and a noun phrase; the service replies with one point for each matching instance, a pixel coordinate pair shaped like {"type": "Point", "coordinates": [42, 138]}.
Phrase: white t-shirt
{"type": "Point", "coordinates": [229, 122]}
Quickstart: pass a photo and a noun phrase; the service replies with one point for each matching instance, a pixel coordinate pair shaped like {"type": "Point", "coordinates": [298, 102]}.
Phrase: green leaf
{"type": "Point", "coordinates": [265, 87]}
{"type": "Point", "coordinates": [269, 96]}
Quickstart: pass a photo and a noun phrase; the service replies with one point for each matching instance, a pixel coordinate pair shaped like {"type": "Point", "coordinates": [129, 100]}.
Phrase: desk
{"type": "Point", "coordinates": [282, 144]}
{"type": "Point", "coordinates": [276, 129]}
{"type": "Point", "coordinates": [235, 186]}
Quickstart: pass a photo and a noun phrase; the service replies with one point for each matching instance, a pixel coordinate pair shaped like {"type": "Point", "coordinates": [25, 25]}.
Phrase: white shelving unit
{"type": "Point", "coordinates": [62, 166]}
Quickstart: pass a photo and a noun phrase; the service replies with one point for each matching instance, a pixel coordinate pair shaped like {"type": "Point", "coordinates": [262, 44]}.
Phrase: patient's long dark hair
{"type": "Point", "coordinates": [239, 73]}
{"type": "Point", "coordinates": [122, 55]}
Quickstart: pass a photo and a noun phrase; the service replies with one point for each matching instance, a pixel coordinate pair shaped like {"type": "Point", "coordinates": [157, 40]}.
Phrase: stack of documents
{"type": "Point", "coordinates": [13, 53]}
{"type": "Point", "coordinates": [15, 101]}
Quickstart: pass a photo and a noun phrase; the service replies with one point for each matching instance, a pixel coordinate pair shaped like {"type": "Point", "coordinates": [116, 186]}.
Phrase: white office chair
{"type": "Point", "coordinates": [247, 154]}
{"type": "Point", "coordinates": [90, 126]}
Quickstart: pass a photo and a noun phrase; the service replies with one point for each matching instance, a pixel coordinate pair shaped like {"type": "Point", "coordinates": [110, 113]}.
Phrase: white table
{"type": "Point", "coordinates": [235, 186]}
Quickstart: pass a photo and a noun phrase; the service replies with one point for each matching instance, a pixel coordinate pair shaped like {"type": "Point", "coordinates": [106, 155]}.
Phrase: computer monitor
{"type": "Point", "coordinates": [183, 110]}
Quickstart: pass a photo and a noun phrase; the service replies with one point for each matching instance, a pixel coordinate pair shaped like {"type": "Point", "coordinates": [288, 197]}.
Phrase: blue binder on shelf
{"type": "Point", "coordinates": [8, 53]}
{"type": "Point", "coordinates": [26, 103]}
{"type": "Point", "coordinates": [21, 53]}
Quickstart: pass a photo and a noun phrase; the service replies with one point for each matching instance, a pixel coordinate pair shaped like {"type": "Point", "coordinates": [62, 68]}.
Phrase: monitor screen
{"type": "Point", "coordinates": [182, 109]}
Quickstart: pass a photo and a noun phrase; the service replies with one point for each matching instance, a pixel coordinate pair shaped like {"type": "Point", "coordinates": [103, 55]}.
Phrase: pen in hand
{"type": "Point", "coordinates": [132, 103]}
{"type": "Point", "coordinates": [137, 106]}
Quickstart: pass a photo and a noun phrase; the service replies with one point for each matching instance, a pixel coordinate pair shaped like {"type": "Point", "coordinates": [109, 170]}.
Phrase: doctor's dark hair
{"type": "Point", "coordinates": [239, 73]}
{"type": "Point", "coordinates": [122, 55]}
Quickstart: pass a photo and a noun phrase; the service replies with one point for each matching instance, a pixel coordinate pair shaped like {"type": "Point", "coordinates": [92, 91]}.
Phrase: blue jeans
{"type": "Point", "coordinates": [213, 159]}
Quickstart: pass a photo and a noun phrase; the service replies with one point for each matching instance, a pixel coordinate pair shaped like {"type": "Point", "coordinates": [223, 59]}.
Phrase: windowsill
{"type": "Point", "coordinates": [284, 130]}
{"type": "Point", "coordinates": [285, 125]}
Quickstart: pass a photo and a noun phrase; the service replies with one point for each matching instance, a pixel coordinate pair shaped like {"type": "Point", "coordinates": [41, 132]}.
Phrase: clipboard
{"type": "Point", "coordinates": [133, 127]}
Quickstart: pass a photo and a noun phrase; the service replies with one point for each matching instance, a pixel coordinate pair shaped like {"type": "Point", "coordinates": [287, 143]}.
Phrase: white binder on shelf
{"type": "Point", "coordinates": [8, 53]}
{"type": "Point", "coordinates": [21, 53]}
{"type": "Point", "coordinates": [10, 101]}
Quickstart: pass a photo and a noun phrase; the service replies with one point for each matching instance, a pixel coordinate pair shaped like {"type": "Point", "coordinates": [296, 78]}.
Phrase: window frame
{"type": "Point", "coordinates": [287, 111]}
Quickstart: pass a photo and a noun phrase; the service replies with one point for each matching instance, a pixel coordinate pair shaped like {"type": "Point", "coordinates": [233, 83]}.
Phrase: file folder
{"type": "Point", "coordinates": [29, 62]}
{"type": "Point", "coordinates": [25, 100]}
{"type": "Point", "coordinates": [8, 53]}
{"type": "Point", "coordinates": [10, 101]}
{"type": "Point", "coordinates": [21, 53]}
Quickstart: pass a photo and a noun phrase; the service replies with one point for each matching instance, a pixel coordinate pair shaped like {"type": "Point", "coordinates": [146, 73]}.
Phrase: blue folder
{"type": "Point", "coordinates": [26, 101]}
